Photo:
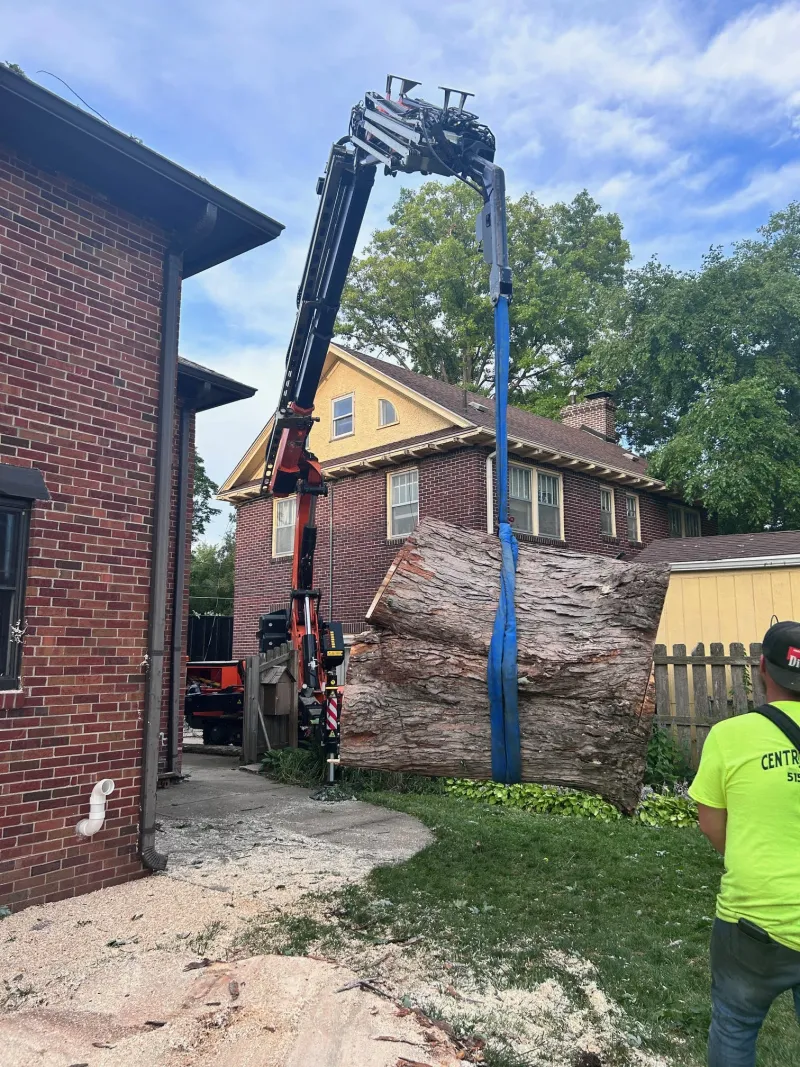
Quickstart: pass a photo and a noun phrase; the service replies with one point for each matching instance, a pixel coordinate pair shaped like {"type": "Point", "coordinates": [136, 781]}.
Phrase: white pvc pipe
{"type": "Point", "coordinates": [97, 808]}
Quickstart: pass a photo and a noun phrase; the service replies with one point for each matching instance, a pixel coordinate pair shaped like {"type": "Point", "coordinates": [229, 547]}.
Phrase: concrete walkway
{"type": "Point", "coordinates": [220, 811]}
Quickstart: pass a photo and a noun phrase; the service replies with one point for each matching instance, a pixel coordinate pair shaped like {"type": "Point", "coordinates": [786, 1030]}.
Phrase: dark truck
{"type": "Point", "coordinates": [215, 700]}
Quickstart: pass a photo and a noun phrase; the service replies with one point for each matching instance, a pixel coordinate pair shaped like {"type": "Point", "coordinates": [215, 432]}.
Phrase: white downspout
{"type": "Point", "coordinates": [97, 808]}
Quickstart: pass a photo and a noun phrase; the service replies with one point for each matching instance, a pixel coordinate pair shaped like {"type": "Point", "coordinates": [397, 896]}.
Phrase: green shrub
{"type": "Point", "coordinates": [306, 767]}
{"type": "Point", "coordinates": [542, 799]}
{"type": "Point", "coordinates": [666, 809]}
{"type": "Point", "coordinates": [654, 809]}
{"type": "Point", "coordinates": [667, 760]}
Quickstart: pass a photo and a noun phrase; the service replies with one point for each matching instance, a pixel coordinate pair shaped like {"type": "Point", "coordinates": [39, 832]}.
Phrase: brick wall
{"type": "Point", "coordinates": [452, 487]}
{"type": "Point", "coordinates": [79, 351]}
{"type": "Point", "coordinates": [597, 412]}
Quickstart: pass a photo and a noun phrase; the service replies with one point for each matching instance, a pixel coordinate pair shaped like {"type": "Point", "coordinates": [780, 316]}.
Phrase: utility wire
{"type": "Point", "coordinates": [50, 73]}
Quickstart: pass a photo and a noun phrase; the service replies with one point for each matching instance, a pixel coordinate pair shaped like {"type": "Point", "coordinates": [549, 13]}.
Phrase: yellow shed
{"type": "Point", "coordinates": [727, 588]}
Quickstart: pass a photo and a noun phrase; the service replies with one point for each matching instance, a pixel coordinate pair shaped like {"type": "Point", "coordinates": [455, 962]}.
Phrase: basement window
{"type": "Point", "coordinates": [14, 525]}
{"type": "Point", "coordinates": [283, 520]}
{"type": "Point", "coordinates": [403, 502]}
{"type": "Point", "coordinates": [343, 423]}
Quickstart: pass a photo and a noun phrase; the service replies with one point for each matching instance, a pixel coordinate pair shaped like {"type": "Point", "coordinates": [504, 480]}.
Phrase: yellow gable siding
{"type": "Point", "coordinates": [413, 419]}
{"type": "Point", "coordinates": [726, 606]}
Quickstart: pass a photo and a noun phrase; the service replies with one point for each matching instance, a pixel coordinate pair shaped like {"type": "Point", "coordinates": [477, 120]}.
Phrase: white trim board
{"type": "Point", "coordinates": [734, 564]}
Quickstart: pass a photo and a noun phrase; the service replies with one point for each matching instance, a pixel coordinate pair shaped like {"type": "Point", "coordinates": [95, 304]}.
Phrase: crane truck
{"type": "Point", "coordinates": [399, 133]}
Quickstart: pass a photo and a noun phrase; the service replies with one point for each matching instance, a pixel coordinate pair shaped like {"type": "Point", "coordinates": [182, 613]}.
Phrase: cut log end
{"type": "Point", "coordinates": [416, 697]}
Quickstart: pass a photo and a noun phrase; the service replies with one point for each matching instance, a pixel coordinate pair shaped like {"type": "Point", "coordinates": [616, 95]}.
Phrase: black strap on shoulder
{"type": "Point", "coordinates": [780, 719]}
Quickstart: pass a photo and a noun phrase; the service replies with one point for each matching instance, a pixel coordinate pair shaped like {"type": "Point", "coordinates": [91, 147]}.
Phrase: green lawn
{"type": "Point", "coordinates": [502, 886]}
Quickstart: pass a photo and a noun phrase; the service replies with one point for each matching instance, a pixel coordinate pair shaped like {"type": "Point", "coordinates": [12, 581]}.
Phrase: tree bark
{"type": "Point", "coordinates": [416, 697]}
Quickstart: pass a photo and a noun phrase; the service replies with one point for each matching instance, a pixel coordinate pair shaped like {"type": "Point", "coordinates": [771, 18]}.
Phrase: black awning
{"type": "Point", "coordinates": [25, 482]}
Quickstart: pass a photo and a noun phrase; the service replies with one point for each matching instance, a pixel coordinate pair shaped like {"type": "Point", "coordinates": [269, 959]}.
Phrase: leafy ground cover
{"type": "Point", "coordinates": [503, 892]}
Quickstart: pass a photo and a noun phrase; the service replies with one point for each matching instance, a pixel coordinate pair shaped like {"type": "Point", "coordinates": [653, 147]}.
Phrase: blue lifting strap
{"type": "Point", "coordinates": [502, 671]}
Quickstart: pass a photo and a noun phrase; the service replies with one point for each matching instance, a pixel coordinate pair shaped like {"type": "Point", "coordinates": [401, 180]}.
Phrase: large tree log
{"type": "Point", "coordinates": [416, 697]}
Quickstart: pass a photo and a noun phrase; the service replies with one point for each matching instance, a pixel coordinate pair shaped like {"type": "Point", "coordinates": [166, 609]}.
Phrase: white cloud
{"type": "Point", "coordinates": [596, 131]}
{"type": "Point", "coordinates": [770, 187]}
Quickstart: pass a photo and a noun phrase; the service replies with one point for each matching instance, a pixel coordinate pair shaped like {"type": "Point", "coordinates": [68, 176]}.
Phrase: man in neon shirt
{"type": "Point", "coordinates": [748, 795]}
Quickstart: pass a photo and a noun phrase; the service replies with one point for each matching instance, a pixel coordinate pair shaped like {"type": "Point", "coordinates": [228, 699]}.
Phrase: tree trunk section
{"type": "Point", "coordinates": [416, 697]}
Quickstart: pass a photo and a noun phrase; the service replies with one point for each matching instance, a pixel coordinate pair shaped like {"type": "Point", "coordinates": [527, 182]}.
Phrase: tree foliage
{"type": "Point", "coordinates": [706, 367]}
{"type": "Point", "coordinates": [419, 294]}
{"type": "Point", "coordinates": [204, 490]}
{"type": "Point", "coordinates": [212, 573]}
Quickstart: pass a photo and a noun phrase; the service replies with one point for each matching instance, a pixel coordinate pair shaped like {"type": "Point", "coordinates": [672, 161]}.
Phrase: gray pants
{"type": "Point", "coordinates": [746, 977]}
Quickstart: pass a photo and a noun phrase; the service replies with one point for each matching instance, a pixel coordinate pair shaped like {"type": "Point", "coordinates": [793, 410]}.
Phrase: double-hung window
{"type": "Point", "coordinates": [545, 519]}
{"type": "Point", "coordinates": [683, 522]}
{"type": "Point", "coordinates": [520, 498]}
{"type": "Point", "coordinates": [283, 517]}
{"type": "Point", "coordinates": [632, 513]}
{"type": "Point", "coordinates": [608, 525]}
{"type": "Point", "coordinates": [403, 502]}
{"type": "Point", "coordinates": [343, 423]}
{"type": "Point", "coordinates": [549, 504]}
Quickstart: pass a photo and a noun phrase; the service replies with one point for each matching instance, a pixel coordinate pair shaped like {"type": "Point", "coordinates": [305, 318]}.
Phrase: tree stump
{"type": "Point", "coordinates": [416, 697]}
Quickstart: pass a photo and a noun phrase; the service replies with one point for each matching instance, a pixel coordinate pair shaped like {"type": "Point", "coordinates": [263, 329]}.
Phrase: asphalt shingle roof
{"type": "Point", "coordinates": [522, 424]}
{"type": "Point", "coordinates": [722, 546]}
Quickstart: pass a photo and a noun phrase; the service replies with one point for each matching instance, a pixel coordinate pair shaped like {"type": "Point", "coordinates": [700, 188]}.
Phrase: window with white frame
{"type": "Point", "coordinates": [520, 498]}
{"type": "Point", "coordinates": [283, 518]}
{"type": "Point", "coordinates": [683, 522]}
{"type": "Point", "coordinates": [545, 519]}
{"type": "Point", "coordinates": [549, 505]}
{"type": "Point", "coordinates": [632, 513]}
{"type": "Point", "coordinates": [342, 416]}
{"type": "Point", "coordinates": [403, 502]}
{"type": "Point", "coordinates": [608, 525]}
{"type": "Point", "coordinates": [387, 413]}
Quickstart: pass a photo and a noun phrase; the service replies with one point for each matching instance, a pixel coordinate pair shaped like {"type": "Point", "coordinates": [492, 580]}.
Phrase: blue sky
{"type": "Point", "coordinates": [683, 117]}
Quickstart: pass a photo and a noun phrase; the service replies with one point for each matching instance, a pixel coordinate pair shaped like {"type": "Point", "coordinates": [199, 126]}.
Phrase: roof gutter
{"type": "Point", "coordinates": [741, 563]}
{"type": "Point", "coordinates": [168, 376]}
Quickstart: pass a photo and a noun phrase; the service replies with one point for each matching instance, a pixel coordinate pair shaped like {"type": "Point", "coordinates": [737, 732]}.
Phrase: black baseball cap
{"type": "Point", "coordinates": [781, 649]}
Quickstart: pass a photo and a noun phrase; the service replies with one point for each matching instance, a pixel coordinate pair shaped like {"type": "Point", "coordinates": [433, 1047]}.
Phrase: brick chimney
{"type": "Point", "coordinates": [595, 413]}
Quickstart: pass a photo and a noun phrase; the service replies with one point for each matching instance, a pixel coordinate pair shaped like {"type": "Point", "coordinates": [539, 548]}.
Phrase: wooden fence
{"type": "Point", "coordinates": [270, 702]}
{"type": "Point", "coordinates": [735, 687]}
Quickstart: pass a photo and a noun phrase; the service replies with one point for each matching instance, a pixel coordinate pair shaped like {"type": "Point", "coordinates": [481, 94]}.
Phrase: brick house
{"type": "Point", "coordinates": [396, 445]}
{"type": "Point", "coordinates": [97, 233]}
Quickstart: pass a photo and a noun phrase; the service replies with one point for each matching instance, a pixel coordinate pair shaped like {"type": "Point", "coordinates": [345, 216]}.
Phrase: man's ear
{"type": "Point", "coordinates": [762, 669]}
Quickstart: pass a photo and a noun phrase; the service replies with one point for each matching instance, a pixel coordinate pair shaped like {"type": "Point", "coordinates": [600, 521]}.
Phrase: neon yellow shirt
{"type": "Point", "coordinates": [749, 767]}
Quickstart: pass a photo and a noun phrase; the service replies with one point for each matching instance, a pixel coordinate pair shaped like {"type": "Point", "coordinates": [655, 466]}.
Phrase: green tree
{"type": "Point", "coordinates": [706, 366]}
{"type": "Point", "coordinates": [204, 490]}
{"type": "Point", "coordinates": [212, 573]}
{"type": "Point", "coordinates": [419, 294]}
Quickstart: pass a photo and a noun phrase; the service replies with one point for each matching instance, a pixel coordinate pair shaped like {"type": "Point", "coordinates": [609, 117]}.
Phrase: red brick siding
{"type": "Point", "coordinates": [451, 487]}
{"type": "Point", "coordinates": [79, 337]}
{"type": "Point", "coordinates": [599, 414]}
